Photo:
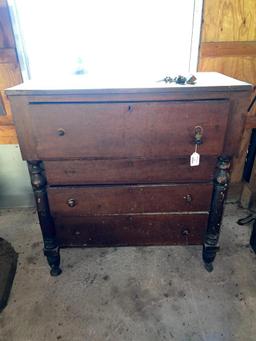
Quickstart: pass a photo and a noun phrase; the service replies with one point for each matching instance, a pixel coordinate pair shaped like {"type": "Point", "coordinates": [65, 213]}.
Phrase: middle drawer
{"type": "Point", "coordinates": [97, 200]}
{"type": "Point", "coordinates": [134, 171]}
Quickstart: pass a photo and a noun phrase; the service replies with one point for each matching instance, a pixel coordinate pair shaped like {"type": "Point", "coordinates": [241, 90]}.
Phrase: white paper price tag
{"type": "Point", "coordinates": [194, 159]}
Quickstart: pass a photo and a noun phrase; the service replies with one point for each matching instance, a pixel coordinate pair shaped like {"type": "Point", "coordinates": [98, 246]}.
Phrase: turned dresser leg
{"type": "Point", "coordinates": [51, 248]}
{"type": "Point", "coordinates": [210, 246]}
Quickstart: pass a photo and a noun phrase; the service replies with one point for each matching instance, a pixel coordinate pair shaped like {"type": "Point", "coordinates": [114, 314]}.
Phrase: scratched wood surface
{"type": "Point", "coordinates": [141, 229]}
{"type": "Point", "coordinates": [125, 199]}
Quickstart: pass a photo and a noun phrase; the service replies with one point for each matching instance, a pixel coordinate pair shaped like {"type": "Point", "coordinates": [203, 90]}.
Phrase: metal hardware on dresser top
{"type": "Point", "coordinates": [110, 165]}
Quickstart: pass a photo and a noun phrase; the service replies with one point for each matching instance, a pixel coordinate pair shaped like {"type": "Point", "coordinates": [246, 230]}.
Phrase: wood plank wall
{"type": "Point", "coordinates": [9, 73]}
{"type": "Point", "coordinates": [228, 45]}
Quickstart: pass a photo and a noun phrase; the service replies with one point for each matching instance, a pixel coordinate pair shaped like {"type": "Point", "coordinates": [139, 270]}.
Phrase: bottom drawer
{"type": "Point", "coordinates": [138, 229]}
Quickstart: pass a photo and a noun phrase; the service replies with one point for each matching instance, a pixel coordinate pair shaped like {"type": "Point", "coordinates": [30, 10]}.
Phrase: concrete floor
{"type": "Point", "coordinates": [137, 294]}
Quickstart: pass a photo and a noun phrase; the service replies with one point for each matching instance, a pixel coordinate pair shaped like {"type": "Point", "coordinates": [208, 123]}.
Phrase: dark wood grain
{"type": "Point", "coordinates": [95, 200]}
{"type": "Point", "coordinates": [125, 230]}
{"type": "Point", "coordinates": [51, 248]}
{"type": "Point", "coordinates": [239, 103]}
{"type": "Point", "coordinates": [117, 159]}
{"type": "Point", "coordinates": [23, 127]}
{"type": "Point", "coordinates": [128, 130]}
{"type": "Point", "coordinates": [139, 95]}
{"type": "Point", "coordinates": [78, 172]}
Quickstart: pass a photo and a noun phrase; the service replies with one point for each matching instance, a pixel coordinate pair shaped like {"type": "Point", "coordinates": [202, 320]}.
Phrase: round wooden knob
{"type": "Point", "coordinates": [71, 202]}
{"type": "Point", "coordinates": [61, 132]}
{"type": "Point", "coordinates": [188, 198]}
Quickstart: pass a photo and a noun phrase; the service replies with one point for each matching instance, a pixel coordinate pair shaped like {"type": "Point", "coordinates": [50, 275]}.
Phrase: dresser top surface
{"type": "Point", "coordinates": [206, 81]}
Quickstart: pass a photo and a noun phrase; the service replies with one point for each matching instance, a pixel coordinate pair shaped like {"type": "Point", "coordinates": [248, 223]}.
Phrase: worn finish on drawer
{"type": "Point", "coordinates": [160, 229]}
{"type": "Point", "coordinates": [127, 130]}
{"type": "Point", "coordinates": [96, 200]}
{"type": "Point", "coordinates": [177, 170]}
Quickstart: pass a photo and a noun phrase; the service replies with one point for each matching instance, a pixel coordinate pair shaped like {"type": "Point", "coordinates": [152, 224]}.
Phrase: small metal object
{"type": "Point", "coordinates": [191, 80]}
{"type": "Point", "coordinates": [71, 202]}
{"type": "Point", "coordinates": [168, 79]}
{"type": "Point", "coordinates": [180, 79]}
{"type": "Point", "coordinates": [198, 135]}
{"type": "Point", "coordinates": [61, 132]}
{"type": "Point", "coordinates": [188, 198]}
{"type": "Point", "coordinates": [185, 232]}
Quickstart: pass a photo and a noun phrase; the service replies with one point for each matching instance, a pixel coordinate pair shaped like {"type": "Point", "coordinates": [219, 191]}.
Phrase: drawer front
{"type": "Point", "coordinates": [98, 200]}
{"type": "Point", "coordinates": [127, 130]}
{"type": "Point", "coordinates": [75, 172]}
{"type": "Point", "coordinates": [162, 229]}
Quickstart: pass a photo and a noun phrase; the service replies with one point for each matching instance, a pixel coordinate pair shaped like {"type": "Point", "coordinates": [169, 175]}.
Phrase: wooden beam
{"type": "Point", "coordinates": [228, 49]}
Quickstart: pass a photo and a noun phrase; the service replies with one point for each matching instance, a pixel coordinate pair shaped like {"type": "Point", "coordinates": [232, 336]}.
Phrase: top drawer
{"type": "Point", "coordinates": [126, 130]}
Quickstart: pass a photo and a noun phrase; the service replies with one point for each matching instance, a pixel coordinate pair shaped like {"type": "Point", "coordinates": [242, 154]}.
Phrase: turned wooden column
{"type": "Point", "coordinates": [51, 248]}
{"type": "Point", "coordinates": [221, 179]}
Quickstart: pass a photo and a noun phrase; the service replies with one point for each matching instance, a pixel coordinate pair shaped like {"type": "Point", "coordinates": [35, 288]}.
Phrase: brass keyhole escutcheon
{"type": "Point", "coordinates": [61, 132]}
{"type": "Point", "coordinates": [185, 232]}
{"type": "Point", "coordinates": [188, 198]}
{"type": "Point", "coordinates": [198, 135]}
{"type": "Point", "coordinates": [71, 202]}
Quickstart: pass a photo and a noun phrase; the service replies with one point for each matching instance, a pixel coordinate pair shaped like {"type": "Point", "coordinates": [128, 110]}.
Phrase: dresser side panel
{"type": "Point", "coordinates": [22, 120]}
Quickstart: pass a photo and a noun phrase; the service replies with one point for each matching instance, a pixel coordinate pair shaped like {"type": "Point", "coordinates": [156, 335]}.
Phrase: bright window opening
{"type": "Point", "coordinates": [135, 39]}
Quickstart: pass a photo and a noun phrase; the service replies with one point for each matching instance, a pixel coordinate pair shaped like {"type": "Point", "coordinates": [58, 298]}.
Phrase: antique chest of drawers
{"type": "Point", "coordinates": [111, 165]}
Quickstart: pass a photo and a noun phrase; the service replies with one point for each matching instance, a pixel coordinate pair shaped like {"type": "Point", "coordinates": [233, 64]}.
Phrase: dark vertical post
{"type": "Point", "coordinates": [253, 237]}
{"type": "Point", "coordinates": [51, 248]}
{"type": "Point", "coordinates": [210, 246]}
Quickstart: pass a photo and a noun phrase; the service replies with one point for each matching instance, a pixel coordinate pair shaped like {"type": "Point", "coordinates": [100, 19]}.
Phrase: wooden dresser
{"type": "Point", "coordinates": [110, 165]}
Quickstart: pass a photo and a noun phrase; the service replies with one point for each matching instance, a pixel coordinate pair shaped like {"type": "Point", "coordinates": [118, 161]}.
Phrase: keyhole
{"type": "Point", "coordinates": [198, 135]}
{"type": "Point", "coordinates": [185, 233]}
